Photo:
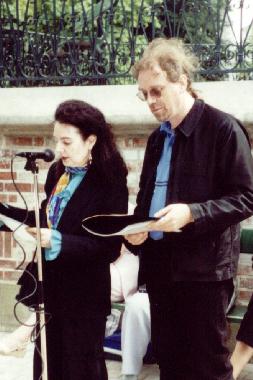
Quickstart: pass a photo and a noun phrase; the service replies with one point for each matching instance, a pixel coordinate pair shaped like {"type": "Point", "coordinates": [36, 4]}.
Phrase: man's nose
{"type": "Point", "coordinates": [150, 99]}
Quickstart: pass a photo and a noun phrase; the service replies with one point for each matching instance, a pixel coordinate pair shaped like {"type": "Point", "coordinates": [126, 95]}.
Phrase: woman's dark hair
{"type": "Point", "coordinates": [106, 158]}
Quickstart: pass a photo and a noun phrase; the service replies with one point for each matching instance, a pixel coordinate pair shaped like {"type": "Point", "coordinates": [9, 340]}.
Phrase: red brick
{"type": "Point", "coordinates": [38, 141]}
{"type": "Point", "coordinates": [244, 296]}
{"type": "Point", "coordinates": [11, 276]}
{"type": "Point", "coordinates": [3, 197]}
{"type": "Point", "coordinates": [1, 244]}
{"type": "Point", "coordinates": [139, 142]}
{"type": "Point", "coordinates": [7, 153]}
{"type": "Point", "coordinates": [244, 269]}
{"type": "Point", "coordinates": [1, 186]}
{"type": "Point", "coordinates": [25, 187]}
{"type": "Point", "coordinates": [1, 275]}
{"type": "Point", "coordinates": [41, 188]}
{"type": "Point", "coordinates": [246, 282]}
{"type": "Point", "coordinates": [7, 244]}
{"type": "Point", "coordinates": [12, 198]}
{"type": "Point", "coordinates": [5, 165]}
{"type": "Point", "coordinates": [7, 264]}
{"type": "Point", "coordinates": [7, 176]}
{"type": "Point", "coordinates": [18, 140]}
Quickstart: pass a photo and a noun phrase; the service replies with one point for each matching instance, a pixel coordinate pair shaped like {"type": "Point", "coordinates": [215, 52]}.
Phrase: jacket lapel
{"type": "Point", "coordinates": [79, 203]}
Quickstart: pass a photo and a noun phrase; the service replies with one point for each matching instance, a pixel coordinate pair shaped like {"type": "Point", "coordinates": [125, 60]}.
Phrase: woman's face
{"type": "Point", "coordinates": [70, 146]}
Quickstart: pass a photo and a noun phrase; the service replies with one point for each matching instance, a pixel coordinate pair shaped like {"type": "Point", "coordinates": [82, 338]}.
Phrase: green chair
{"type": "Point", "coordinates": [246, 241]}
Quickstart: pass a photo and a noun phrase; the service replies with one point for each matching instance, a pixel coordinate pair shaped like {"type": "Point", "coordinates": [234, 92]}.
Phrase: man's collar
{"type": "Point", "coordinates": [166, 127]}
{"type": "Point", "coordinates": [191, 120]}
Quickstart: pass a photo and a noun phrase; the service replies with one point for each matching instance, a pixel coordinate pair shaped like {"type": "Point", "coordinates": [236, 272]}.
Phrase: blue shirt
{"type": "Point", "coordinates": [158, 200]}
{"type": "Point", "coordinates": [56, 238]}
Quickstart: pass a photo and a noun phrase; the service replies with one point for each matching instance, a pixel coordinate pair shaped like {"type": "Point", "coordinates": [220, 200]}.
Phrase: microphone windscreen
{"type": "Point", "coordinates": [49, 155]}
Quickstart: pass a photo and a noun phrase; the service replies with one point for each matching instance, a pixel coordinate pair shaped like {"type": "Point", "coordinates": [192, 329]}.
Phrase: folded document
{"type": "Point", "coordinates": [117, 224]}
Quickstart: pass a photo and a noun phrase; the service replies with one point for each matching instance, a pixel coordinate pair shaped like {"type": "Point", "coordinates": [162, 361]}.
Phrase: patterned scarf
{"type": "Point", "coordinates": [61, 194]}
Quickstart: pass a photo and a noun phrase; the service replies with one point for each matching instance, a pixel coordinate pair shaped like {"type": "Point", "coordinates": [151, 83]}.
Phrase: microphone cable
{"type": "Point", "coordinates": [35, 333]}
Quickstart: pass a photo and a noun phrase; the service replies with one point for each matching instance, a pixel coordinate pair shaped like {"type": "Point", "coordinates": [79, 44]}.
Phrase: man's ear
{"type": "Point", "coordinates": [183, 80]}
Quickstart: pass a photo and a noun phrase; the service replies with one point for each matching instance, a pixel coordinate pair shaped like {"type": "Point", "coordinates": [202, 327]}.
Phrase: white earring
{"type": "Point", "coordinates": [90, 159]}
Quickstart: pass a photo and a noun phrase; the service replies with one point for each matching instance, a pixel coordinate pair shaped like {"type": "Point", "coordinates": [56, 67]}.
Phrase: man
{"type": "Point", "coordinates": [197, 178]}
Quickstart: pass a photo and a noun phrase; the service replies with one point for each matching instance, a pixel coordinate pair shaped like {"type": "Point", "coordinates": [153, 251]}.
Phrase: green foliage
{"type": "Point", "coordinates": [78, 38]}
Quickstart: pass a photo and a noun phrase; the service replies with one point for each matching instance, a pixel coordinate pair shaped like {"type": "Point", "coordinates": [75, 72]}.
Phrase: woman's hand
{"type": "Point", "coordinates": [136, 239]}
{"type": "Point", "coordinates": [45, 236]}
{"type": "Point", "coordinates": [172, 218]}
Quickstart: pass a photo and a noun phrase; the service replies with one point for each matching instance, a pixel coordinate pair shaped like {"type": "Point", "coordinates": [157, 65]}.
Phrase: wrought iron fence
{"type": "Point", "coordinates": [52, 42]}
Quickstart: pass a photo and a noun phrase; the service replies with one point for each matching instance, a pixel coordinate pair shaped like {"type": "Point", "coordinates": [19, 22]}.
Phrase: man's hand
{"type": "Point", "coordinates": [136, 239]}
{"type": "Point", "coordinates": [172, 218]}
{"type": "Point", "coordinates": [45, 235]}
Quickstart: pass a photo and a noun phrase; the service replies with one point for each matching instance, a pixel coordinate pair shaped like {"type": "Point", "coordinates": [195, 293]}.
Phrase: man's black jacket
{"type": "Point", "coordinates": [212, 171]}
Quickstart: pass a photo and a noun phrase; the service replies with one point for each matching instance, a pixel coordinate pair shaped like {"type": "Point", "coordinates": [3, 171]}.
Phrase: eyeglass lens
{"type": "Point", "coordinates": [153, 93]}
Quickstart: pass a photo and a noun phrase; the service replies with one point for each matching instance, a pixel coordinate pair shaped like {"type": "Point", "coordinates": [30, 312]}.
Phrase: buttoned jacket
{"type": "Point", "coordinates": [78, 280]}
{"type": "Point", "coordinates": [211, 170]}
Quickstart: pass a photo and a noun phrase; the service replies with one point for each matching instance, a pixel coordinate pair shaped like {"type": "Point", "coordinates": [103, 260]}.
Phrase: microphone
{"type": "Point", "coordinates": [47, 155]}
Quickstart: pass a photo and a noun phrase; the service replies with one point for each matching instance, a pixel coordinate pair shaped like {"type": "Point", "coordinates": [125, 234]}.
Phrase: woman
{"type": "Point", "coordinates": [243, 351]}
{"type": "Point", "coordinates": [88, 179]}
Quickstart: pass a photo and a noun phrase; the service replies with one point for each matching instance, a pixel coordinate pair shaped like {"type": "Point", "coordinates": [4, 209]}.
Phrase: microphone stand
{"type": "Point", "coordinates": [32, 166]}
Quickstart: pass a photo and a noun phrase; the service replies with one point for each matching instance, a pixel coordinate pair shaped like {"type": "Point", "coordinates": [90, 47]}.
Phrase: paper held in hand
{"type": "Point", "coordinates": [20, 234]}
{"type": "Point", "coordinates": [117, 224]}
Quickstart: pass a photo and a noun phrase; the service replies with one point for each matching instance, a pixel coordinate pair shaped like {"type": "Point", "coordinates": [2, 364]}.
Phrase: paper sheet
{"type": "Point", "coordinates": [20, 234]}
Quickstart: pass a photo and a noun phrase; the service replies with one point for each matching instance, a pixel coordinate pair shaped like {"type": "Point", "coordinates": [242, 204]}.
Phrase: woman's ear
{"type": "Point", "coordinates": [92, 140]}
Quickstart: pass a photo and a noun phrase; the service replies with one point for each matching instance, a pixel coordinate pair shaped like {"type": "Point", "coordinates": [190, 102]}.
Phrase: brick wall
{"type": "Point", "coordinates": [11, 255]}
{"type": "Point", "coordinates": [132, 149]}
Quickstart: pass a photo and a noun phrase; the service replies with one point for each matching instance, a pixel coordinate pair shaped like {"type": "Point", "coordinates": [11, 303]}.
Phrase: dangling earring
{"type": "Point", "coordinates": [89, 159]}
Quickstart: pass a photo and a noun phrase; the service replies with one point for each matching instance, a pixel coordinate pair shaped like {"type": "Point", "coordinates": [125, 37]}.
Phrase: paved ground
{"type": "Point", "coordinates": [20, 368]}
{"type": "Point", "coordinates": [12, 368]}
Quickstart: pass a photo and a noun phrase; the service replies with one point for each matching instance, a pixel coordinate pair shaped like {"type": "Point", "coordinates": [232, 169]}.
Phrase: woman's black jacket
{"type": "Point", "coordinates": [79, 279]}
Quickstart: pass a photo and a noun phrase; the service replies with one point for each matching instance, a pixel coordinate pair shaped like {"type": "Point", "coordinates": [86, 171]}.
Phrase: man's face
{"type": "Point", "coordinates": [164, 98]}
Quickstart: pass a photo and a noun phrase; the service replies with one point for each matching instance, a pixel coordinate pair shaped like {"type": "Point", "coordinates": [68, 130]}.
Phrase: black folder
{"type": "Point", "coordinates": [117, 224]}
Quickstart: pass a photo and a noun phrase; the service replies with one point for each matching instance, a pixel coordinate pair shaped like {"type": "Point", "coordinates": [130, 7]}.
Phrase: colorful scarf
{"type": "Point", "coordinates": [62, 193]}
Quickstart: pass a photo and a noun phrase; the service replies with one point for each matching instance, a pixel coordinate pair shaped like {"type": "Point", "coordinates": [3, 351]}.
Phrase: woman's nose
{"type": "Point", "coordinates": [58, 148]}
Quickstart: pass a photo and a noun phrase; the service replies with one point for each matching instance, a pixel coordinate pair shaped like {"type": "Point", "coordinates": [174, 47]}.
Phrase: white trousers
{"type": "Point", "coordinates": [135, 333]}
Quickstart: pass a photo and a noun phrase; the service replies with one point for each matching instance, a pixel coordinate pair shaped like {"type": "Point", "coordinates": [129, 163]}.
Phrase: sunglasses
{"type": "Point", "coordinates": [154, 93]}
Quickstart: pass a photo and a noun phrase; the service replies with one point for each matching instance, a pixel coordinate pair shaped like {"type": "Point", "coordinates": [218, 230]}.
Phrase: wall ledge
{"type": "Point", "coordinates": [24, 107]}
